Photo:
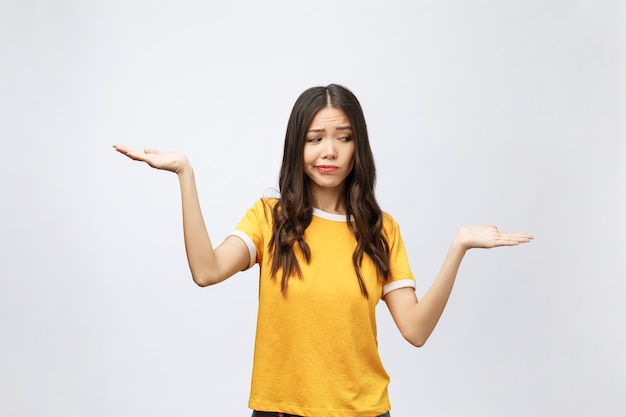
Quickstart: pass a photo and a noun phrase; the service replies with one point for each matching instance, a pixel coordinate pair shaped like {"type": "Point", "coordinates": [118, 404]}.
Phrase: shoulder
{"type": "Point", "coordinates": [271, 201]}
{"type": "Point", "coordinates": [259, 213]}
{"type": "Point", "coordinates": [264, 205]}
{"type": "Point", "coordinates": [391, 228]}
{"type": "Point", "coordinates": [389, 223]}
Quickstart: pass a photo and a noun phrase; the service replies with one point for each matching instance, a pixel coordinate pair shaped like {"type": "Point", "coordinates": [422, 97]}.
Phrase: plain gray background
{"type": "Point", "coordinates": [491, 112]}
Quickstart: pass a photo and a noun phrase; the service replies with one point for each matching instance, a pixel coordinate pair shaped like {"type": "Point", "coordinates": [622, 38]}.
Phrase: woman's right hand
{"type": "Point", "coordinates": [169, 161]}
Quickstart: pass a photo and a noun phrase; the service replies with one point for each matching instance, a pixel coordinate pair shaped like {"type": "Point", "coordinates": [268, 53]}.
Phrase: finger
{"type": "Point", "coordinates": [124, 149]}
{"type": "Point", "coordinates": [132, 153]}
{"type": "Point", "coordinates": [515, 239]}
{"type": "Point", "coordinates": [506, 242]}
{"type": "Point", "coordinates": [152, 151]}
{"type": "Point", "coordinates": [523, 236]}
{"type": "Point", "coordinates": [120, 148]}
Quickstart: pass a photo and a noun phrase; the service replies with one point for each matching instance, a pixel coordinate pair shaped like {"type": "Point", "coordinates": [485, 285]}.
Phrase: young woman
{"type": "Point", "coordinates": [327, 255]}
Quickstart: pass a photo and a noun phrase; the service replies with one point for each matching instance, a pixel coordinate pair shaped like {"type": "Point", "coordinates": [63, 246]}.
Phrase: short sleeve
{"type": "Point", "coordinates": [400, 274]}
{"type": "Point", "coordinates": [254, 228]}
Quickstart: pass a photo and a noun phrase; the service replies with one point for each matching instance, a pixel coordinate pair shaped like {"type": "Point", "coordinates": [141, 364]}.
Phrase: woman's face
{"type": "Point", "coordinates": [329, 150]}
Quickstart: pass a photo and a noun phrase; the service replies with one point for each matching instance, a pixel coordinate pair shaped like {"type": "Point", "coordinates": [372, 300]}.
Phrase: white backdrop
{"type": "Point", "coordinates": [492, 112]}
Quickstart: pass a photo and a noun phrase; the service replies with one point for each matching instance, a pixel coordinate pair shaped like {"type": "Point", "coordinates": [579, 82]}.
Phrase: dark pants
{"type": "Point", "coordinates": [270, 414]}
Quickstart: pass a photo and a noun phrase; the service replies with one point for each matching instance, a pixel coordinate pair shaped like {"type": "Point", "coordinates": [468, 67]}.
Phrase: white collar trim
{"type": "Point", "coordinates": [329, 216]}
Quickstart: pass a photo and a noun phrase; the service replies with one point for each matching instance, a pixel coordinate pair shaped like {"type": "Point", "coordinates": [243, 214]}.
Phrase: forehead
{"type": "Point", "coordinates": [329, 117]}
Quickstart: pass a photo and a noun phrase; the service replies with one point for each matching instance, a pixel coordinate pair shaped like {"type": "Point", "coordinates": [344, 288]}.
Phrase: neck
{"type": "Point", "coordinates": [329, 200]}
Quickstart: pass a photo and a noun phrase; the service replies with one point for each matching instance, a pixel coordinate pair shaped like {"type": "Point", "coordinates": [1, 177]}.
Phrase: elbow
{"type": "Point", "coordinates": [201, 283]}
{"type": "Point", "coordinates": [204, 276]}
{"type": "Point", "coordinates": [204, 280]}
{"type": "Point", "coordinates": [417, 339]}
{"type": "Point", "coordinates": [418, 343]}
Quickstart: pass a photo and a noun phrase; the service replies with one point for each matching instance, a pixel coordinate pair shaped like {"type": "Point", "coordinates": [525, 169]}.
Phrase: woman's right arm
{"type": "Point", "coordinates": [208, 265]}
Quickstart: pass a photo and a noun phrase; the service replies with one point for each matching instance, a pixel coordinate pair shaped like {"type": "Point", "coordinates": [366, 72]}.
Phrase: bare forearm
{"type": "Point", "coordinates": [425, 314]}
{"type": "Point", "coordinates": [207, 265]}
{"type": "Point", "coordinates": [200, 252]}
{"type": "Point", "coordinates": [417, 320]}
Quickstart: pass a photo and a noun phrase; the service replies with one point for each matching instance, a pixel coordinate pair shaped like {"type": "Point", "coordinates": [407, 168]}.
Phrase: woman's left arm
{"type": "Point", "coordinates": [417, 320]}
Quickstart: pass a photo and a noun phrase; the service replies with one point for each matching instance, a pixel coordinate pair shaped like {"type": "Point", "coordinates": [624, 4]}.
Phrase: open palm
{"type": "Point", "coordinates": [489, 237]}
{"type": "Point", "coordinates": [168, 161]}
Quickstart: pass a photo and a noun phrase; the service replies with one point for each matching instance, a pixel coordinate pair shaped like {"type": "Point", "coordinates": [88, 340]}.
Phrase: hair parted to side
{"type": "Point", "coordinates": [293, 212]}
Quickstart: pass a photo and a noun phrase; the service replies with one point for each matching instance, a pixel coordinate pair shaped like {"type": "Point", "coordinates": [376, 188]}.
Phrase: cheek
{"type": "Point", "coordinates": [306, 156]}
{"type": "Point", "coordinates": [351, 156]}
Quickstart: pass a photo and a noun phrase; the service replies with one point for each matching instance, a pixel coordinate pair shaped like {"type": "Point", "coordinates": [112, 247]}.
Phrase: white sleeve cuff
{"type": "Point", "coordinates": [249, 243]}
{"type": "Point", "coordinates": [403, 283]}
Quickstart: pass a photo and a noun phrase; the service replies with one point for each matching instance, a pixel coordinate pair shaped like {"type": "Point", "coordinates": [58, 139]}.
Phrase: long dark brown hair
{"type": "Point", "coordinates": [293, 212]}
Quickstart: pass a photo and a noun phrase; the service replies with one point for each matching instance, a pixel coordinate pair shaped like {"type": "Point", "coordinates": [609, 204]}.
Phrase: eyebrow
{"type": "Point", "coordinates": [323, 130]}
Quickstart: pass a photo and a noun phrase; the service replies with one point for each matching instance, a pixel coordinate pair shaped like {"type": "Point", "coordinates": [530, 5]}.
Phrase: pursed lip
{"type": "Point", "coordinates": [326, 168]}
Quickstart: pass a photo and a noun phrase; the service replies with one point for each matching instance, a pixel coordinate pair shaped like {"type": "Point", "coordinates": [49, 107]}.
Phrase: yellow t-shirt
{"type": "Point", "coordinates": [316, 353]}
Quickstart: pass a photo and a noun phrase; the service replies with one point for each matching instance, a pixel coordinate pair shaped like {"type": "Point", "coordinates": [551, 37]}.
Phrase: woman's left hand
{"type": "Point", "coordinates": [488, 237]}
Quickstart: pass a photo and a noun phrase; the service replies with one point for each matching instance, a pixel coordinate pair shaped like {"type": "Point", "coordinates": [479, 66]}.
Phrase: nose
{"type": "Point", "coordinates": [330, 150]}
